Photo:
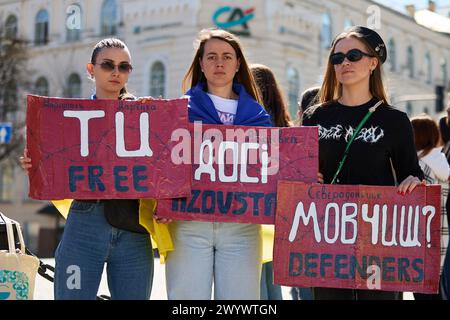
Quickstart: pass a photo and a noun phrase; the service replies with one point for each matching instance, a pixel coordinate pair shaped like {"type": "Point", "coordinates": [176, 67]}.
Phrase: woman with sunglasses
{"type": "Point", "coordinates": [90, 239]}
{"type": "Point", "coordinates": [221, 91]}
{"type": "Point", "coordinates": [383, 152]}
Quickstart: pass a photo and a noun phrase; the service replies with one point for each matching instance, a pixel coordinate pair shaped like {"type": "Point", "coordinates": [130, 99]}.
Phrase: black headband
{"type": "Point", "coordinates": [373, 39]}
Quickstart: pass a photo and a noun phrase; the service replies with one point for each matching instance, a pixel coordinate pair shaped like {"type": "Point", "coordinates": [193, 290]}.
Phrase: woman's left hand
{"type": "Point", "coordinates": [145, 99]}
{"type": "Point", "coordinates": [408, 185]}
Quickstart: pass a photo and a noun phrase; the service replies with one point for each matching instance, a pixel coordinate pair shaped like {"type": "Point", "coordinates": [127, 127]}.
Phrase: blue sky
{"type": "Point", "coordinates": [420, 4]}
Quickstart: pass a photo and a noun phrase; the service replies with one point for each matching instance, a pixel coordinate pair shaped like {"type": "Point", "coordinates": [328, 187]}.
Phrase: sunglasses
{"type": "Point", "coordinates": [123, 67]}
{"type": "Point", "coordinates": [352, 55]}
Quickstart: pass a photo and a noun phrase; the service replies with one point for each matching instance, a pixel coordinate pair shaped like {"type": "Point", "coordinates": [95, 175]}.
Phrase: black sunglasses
{"type": "Point", "coordinates": [123, 67]}
{"type": "Point", "coordinates": [352, 55]}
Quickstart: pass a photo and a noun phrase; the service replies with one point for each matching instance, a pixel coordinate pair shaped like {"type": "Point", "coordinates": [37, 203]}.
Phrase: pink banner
{"type": "Point", "coordinates": [103, 149]}
{"type": "Point", "coordinates": [361, 237]}
{"type": "Point", "coordinates": [236, 170]}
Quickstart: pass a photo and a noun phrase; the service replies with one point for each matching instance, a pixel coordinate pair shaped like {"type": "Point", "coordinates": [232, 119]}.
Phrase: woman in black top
{"type": "Point", "coordinates": [383, 153]}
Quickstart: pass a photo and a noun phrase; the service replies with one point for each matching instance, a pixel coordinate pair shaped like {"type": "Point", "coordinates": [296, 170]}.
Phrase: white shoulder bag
{"type": "Point", "coordinates": [17, 269]}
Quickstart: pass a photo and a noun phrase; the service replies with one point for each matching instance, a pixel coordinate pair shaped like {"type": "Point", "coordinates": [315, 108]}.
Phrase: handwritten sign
{"type": "Point", "coordinates": [361, 237]}
{"type": "Point", "coordinates": [236, 169]}
{"type": "Point", "coordinates": [103, 149]}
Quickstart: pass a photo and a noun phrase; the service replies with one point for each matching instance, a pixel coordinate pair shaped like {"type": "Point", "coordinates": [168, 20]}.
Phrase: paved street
{"type": "Point", "coordinates": [44, 288]}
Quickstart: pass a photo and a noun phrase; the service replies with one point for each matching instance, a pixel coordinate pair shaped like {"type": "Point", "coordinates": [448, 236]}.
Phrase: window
{"type": "Point", "coordinates": [293, 91]}
{"type": "Point", "coordinates": [392, 55]}
{"type": "Point", "coordinates": [326, 34]}
{"type": "Point", "coordinates": [410, 62]}
{"type": "Point", "coordinates": [428, 68]}
{"type": "Point", "coordinates": [73, 24]}
{"type": "Point", "coordinates": [444, 72]}
{"type": "Point", "coordinates": [409, 108]}
{"type": "Point", "coordinates": [41, 28]}
{"type": "Point", "coordinates": [6, 182]}
{"type": "Point", "coordinates": [41, 87]}
{"type": "Point", "coordinates": [74, 86]}
{"type": "Point", "coordinates": [348, 23]}
{"type": "Point", "coordinates": [109, 18]}
{"type": "Point", "coordinates": [11, 27]}
{"type": "Point", "coordinates": [157, 80]}
{"type": "Point", "coordinates": [10, 102]}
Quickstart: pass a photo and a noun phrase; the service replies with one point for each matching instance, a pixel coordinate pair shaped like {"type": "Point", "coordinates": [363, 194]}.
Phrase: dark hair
{"type": "Point", "coordinates": [194, 75]}
{"type": "Point", "coordinates": [426, 134]}
{"type": "Point", "coordinates": [331, 89]}
{"type": "Point", "coordinates": [271, 94]}
{"type": "Point", "coordinates": [111, 43]}
{"type": "Point", "coordinates": [309, 97]}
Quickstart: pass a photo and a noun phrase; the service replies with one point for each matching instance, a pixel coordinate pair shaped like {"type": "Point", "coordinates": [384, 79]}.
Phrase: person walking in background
{"type": "Point", "coordinates": [308, 98]}
{"type": "Point", "coordinates": [436, 171]}
{"type": "Point", "coordinates": [353, 89]}
{"type": "Point", "coordinates": [274, 102]}
{"type": "Point", "coordinates": [444, 127]}
{"type": "Point", "coordinates": [221, 90]}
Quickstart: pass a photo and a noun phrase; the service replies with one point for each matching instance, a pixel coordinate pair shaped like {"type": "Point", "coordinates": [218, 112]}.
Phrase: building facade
{"type": "Point", "coordinates": [292, 37]}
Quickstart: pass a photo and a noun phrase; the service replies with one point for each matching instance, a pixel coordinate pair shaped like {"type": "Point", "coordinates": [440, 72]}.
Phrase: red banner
{"type": "Point", "coordinates": [104, 149]}
{"type": "Point", "coordinates": [236, 169]}
{"type": "Point", "coordinates": [361, 237]}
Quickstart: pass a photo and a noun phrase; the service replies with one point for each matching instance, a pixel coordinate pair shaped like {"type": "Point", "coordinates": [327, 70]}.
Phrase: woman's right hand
{"type": "Point", "coordinates": [25, 162]}
{"type": "Point", "coordinates": [161, 220]}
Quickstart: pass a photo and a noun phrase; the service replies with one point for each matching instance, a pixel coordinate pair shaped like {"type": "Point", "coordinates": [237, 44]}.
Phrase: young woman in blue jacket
{"type": "Point", "coordinates": [221, 91]}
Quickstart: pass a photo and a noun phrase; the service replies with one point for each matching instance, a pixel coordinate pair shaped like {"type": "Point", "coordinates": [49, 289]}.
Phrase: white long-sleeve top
{"type": "Point", "coordinates": [437, 161]}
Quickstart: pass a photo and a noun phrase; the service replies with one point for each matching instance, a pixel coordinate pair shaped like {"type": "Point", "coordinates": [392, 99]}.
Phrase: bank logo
{"type": "Point", "coordinates": [233, 19]}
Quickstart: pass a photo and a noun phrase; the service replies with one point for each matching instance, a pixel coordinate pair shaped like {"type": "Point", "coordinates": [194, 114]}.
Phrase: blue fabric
{"type": "Point", "coordinates": [88, 242]}
{"type": "Point", "coordinates": [249, 111]}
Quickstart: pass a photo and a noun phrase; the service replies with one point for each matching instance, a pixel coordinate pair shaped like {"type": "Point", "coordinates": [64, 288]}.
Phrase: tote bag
{"type": "Point", "coordinates": [17, 269]}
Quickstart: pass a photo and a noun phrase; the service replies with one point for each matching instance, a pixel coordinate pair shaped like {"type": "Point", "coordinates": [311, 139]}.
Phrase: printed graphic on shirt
{"type": "Point", "coordinates": [226, 117]}
{"type": "Point", "coordinates": [368, 135]}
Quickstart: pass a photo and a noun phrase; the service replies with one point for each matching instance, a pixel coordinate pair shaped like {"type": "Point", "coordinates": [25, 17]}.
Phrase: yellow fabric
{"type": "Point", "coordinates": [63, 206]}
{"type": "Point", "coordinates": [160, 232]}
{"type": "Point", "coordinates": [268, 235]}
{"type": "Point", "coordinates": [160, 235]}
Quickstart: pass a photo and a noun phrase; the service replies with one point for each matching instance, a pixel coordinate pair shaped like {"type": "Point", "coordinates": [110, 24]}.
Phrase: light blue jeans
{"type": "Point", "coordinates": [88, 242]}
{"type": "Point", "coordinates": [228, 254]}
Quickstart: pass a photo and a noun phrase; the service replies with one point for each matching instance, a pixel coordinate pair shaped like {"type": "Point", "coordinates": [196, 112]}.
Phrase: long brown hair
{"type": "Point", "coordinates": [271, 94]}
{"type": "Point", "coordinates": [112, 43]}
{"type": "Point", "coordinates": [195, 75]}
{"type": "Point", "coordinates": [426, 134]}
{"type": "Point", "coordinates": [331, 89]}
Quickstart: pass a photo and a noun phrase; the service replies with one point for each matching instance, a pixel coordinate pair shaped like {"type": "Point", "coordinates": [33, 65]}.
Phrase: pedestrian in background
{"type": "Point", "coordinates": [436, 170]}
{"type": "Point", "coordinates": [308, 98]}
{"type": "Point", "coordinates": [444, 127]}
{"type": "Point", "coordinates": [274, 102]}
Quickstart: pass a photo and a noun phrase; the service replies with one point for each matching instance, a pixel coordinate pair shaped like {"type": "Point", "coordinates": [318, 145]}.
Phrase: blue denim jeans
{"type": "Point", "coordinates": [445, 279]}
{"type": "Point", "coordinates": [228, 254]}
{"type": "Point", "coordinates": [88, 242]}
{"type": "Point", "coordinates": [269, 290]}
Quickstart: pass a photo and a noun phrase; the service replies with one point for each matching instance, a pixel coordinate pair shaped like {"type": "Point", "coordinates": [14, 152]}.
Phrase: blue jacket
{"type": "Point", "coordinates": [249, 111]}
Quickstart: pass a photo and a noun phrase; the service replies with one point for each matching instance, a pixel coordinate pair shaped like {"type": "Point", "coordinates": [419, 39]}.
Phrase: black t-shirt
{"type": "Point", "coordinates": [386, 136]}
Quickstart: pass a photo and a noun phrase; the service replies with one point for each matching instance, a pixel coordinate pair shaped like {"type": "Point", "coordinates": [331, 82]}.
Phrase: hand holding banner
{"type": "Point", "coordinates": [236, 169]}
{"type": "Point", "coordinates": [360, 237]}
{"type": "Point", "coordinates": [104, 149]}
